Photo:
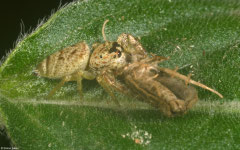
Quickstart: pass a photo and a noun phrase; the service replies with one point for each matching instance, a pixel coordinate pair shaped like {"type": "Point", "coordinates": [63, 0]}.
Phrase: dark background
{"type": "Point", "coordinates": [29, 12]}
{"type": "Point", "coordinates": [12, 14]}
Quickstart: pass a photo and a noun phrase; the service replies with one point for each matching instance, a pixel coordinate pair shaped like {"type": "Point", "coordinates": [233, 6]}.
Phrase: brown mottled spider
{"type": "Point", "coordinates": [127, 60]}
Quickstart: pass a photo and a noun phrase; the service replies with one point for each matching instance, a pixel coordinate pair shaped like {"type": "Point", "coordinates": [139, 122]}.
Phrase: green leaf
{"type": "Point", "coordinates": [201, 37]}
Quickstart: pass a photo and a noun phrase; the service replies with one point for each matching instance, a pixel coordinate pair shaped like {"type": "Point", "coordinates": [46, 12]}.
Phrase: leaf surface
{"type": "Point", "coordinates": [201, 38]}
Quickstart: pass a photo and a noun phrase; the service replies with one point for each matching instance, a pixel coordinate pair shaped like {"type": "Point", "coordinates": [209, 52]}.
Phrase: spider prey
{"type": "Point", "coordinates": [138, 75]}
{"type": "Point", "coordinates": [124, 59]}
{"type": "Point", "coordinates": [149, 84]}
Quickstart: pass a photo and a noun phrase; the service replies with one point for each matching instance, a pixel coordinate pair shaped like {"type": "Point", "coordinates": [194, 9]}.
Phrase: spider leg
{"type": "Point", "coordinates": [106, 83]}
{"type": "Point", "coordinates": [79, 76]}
{"type": "Point", "coordinates": [59, 85]}
{"type": "Point", "coordinates": [79, 86]}
{"type": "Point", "coordinates": [188, 78]}
{"type": "Point", "coordinates": [155, 59]}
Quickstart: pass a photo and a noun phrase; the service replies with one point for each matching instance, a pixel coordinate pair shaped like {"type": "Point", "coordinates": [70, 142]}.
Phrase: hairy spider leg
{"type": "Point", "coordinates": [78, 76]}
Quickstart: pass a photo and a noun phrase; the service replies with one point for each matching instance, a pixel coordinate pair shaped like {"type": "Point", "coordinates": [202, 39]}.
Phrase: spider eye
{"type": "Point", "coordinates": [100, 56]}
{"type": "Point", "coordinates": [119, 53]}
{"type": "Point", "coordinates": [114, 47]}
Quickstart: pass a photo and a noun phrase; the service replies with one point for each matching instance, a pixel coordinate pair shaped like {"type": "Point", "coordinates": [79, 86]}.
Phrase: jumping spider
{"type": "Point", "coordinates": [75, 63]}
{"type": "Point", "coordinates": [124, 66]}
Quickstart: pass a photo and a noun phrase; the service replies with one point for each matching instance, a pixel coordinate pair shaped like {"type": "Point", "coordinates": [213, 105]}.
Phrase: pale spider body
{"type": "Point", "coordinates": [127, 60]}
{"type": "Point", "coordinates": [68, 64]}
{"type": "Point", "coordinates": [65, 62]}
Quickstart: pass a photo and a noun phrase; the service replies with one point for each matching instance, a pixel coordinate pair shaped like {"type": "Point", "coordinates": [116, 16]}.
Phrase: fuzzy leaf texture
{"type": "Point", "coordinates": [201, 38]}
